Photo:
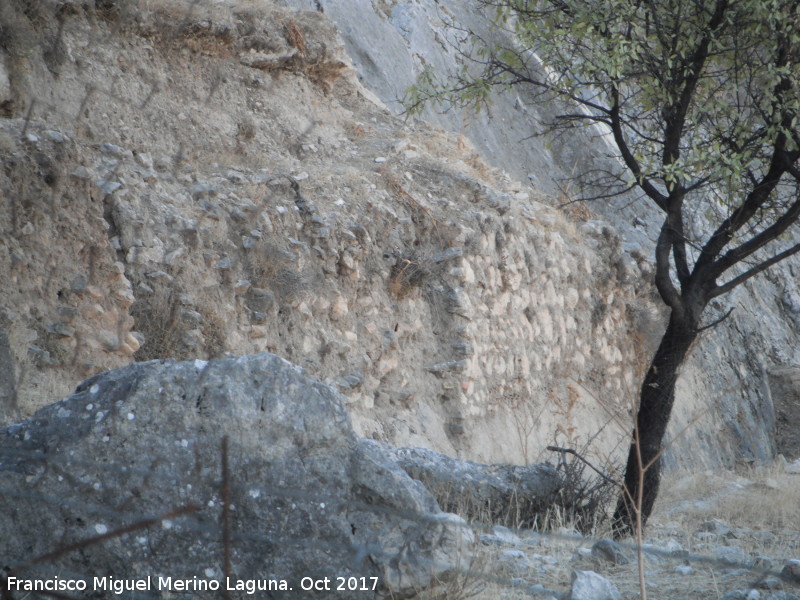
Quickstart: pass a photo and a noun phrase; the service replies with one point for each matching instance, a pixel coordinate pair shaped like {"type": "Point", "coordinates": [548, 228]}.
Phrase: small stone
{"type": "Point", "coordinates": [94, 291]}
{"type": "Point", "coordinates": [108, 187]}
{"type": "Point", "coordinates": [765, 537]}
{"type": "Point", "coordinates": [55, 136]}
{"type": "Point", "coordinates": [674, 548]}
{"type": "Point", "coordinates": [731, 555]}
{"type": "Point", "coordinates": [791, 571]}
{"type": "Point", "coordinates": [114, 150]}
{"type": "Point", "coordinates": [349, 382]}
{"type": "Point", "coordinates": [770, 582]}
{"type": "Point", "coordinates": [684, 570]}
{"type": "Point", "coordinates": [453, 366]}
{"type": "Point", "coordinates": [81, 172]}
{"type": "Point", "coordinates": [763, 562]}
{"type": "Point", "coordinates": [588, 585]}
{"type": "Point", "coordinates": [235, 177]}
{"type": "Point", "coordinates": [780, 596]}
{"type": "Point", "coordinates": [27, 229]}
{"type": "Point", "coordinates": [61, 330]}
{"type": "Point", "coordinates": [449, 254]}
{"type": "Point", "coordinates": [144, 159]}
{"type": "Point", "coordinates": [237, 214]}
{"type": "Point", "coordinates": [463, 349]}
{"type": "Point", "coordinates": [581, 554]}
{"type": "Point", "coordinates": [191, 316]}
{"type": "Point", "coordinates": [380, 159]}
{"type": "Point", "coordinates": [157, 275]}
{"type": "Point", "coordinates": [40, 357]}
{"type": "Point", "coordinates": [506, 535]}
{"type": "Point", "coordinates": [108, 340]}
{"type": "Point", "coordinates": [609, 551]}
{"type": "Point", "coordinates": [224, 263]}
{"type": "Point", "coordinates": [516, 561]}
{"type": "Point", "coordinates": [68, 313]}
{"type": "Point", "coordinates": [715, 526]}
{"type": "Point", "coordinates": [241, 286]}
{"type": "Point", "coordinates": [78, 283]}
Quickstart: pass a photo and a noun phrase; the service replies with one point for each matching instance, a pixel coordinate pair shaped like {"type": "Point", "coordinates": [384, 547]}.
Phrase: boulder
{"type": "Point", "coordinates": [609, 551]}
{"type": "Point", "coordinates": [135, 459]}
{"type": "Point", "coordinates": [498, 493]}
{"type": "Point", "coordinates": [588, 585]}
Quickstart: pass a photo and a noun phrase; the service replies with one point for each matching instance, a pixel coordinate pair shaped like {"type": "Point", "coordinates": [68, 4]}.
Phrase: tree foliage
{"type": "Point", "coordinates": [701, 99]}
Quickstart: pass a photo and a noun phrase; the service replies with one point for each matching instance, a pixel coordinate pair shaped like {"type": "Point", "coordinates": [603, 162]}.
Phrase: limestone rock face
{"type": "Point", "coordinates": [208, 180]}
{"type": "Point", "coordinates": [212, 204]}
{"type": "Point", "coordinates": [724, 408]}
{"type": "Point", "coordinates": [306, 499]}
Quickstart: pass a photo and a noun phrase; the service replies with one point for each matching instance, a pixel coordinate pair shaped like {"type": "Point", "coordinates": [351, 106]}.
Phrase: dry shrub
{"type": "Point", "coordinates": [473, 160]}
{"type": "Point", "coordinates": [273, 268]}
{"type": "Point", "coordinates": [160, 319]}
{"type": "Point", "coordinates": [584, 500]}
{"type": "Point", "coordinates": [459, 586]}
{"type": "Point", "coordinates": [357, 130]}
{"type": "Point", "coordinates": [294, 36]}
{"type": "Point", "coordinates": [576, 210]}
{"type": "Point", "coordinates": [407, 273]}
{"type": "Point", "coordinates": [213, 328]}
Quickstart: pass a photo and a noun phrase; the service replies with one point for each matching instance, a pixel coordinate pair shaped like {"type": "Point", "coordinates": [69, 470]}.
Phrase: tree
{"type": "Point", "coordinates": [702, 101]}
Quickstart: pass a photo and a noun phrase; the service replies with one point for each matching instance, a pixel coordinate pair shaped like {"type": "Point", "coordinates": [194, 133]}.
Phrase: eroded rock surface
{"type": "Point", "coordinates": [306, 500]}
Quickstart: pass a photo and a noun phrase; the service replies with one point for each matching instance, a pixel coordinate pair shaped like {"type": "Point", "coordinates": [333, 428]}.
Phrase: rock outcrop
{"type": "Point", "coordinates": [724, 408]}
{"type": "Point", "coordinates": [240, 210]}
{"type": "Point", "coordinates": [222, 183]}
{"type": "Point", "coordinates": [499, 493]}
{"type": "Point", "coordinates": [305, 499]}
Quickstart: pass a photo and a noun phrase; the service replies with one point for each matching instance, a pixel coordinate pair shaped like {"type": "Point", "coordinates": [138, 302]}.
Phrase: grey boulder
{"type": "Point", "coordinates": [124, 479]}
{"type": "Point", "coordinates": [515, 495]}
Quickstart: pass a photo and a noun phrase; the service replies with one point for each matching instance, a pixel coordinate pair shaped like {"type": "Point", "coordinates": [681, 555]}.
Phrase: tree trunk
{"type": "Point", "coordinates": [655, 406]}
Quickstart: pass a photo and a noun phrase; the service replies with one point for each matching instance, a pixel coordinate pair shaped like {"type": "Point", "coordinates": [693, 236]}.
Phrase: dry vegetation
{"type": "Point", "coordinates": [759, 505]}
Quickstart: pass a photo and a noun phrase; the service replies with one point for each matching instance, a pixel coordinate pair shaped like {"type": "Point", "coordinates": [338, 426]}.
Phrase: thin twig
{"type": "Point", "coordinates": [590, 465]}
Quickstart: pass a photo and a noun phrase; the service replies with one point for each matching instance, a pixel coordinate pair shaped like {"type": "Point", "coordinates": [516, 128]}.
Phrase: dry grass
{"type": "Point", "coordinates": [751, 502]}
{"type": "Point", "coordinates": [271, 267]}
{"type": "Point", "coordinates": [165, 328]}
{"type": "Point", "coordinates": [158, 319]}
{"type": "Point", "coordinates": [407, 273]}
{"type": "Point", "coordinates": [762, 498]}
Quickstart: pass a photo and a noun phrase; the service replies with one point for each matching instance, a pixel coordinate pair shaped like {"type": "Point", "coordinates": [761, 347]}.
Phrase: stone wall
{"type": "Point", "coordinates": [219, 182]}
{"type": "Point", "coordinates": [723, 411]}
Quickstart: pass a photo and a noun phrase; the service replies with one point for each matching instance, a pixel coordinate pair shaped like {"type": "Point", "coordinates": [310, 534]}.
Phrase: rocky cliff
{"type": "Point", "coordinates": [739, 382]}
{"type": "Point", "coordinates": [219, 180]}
